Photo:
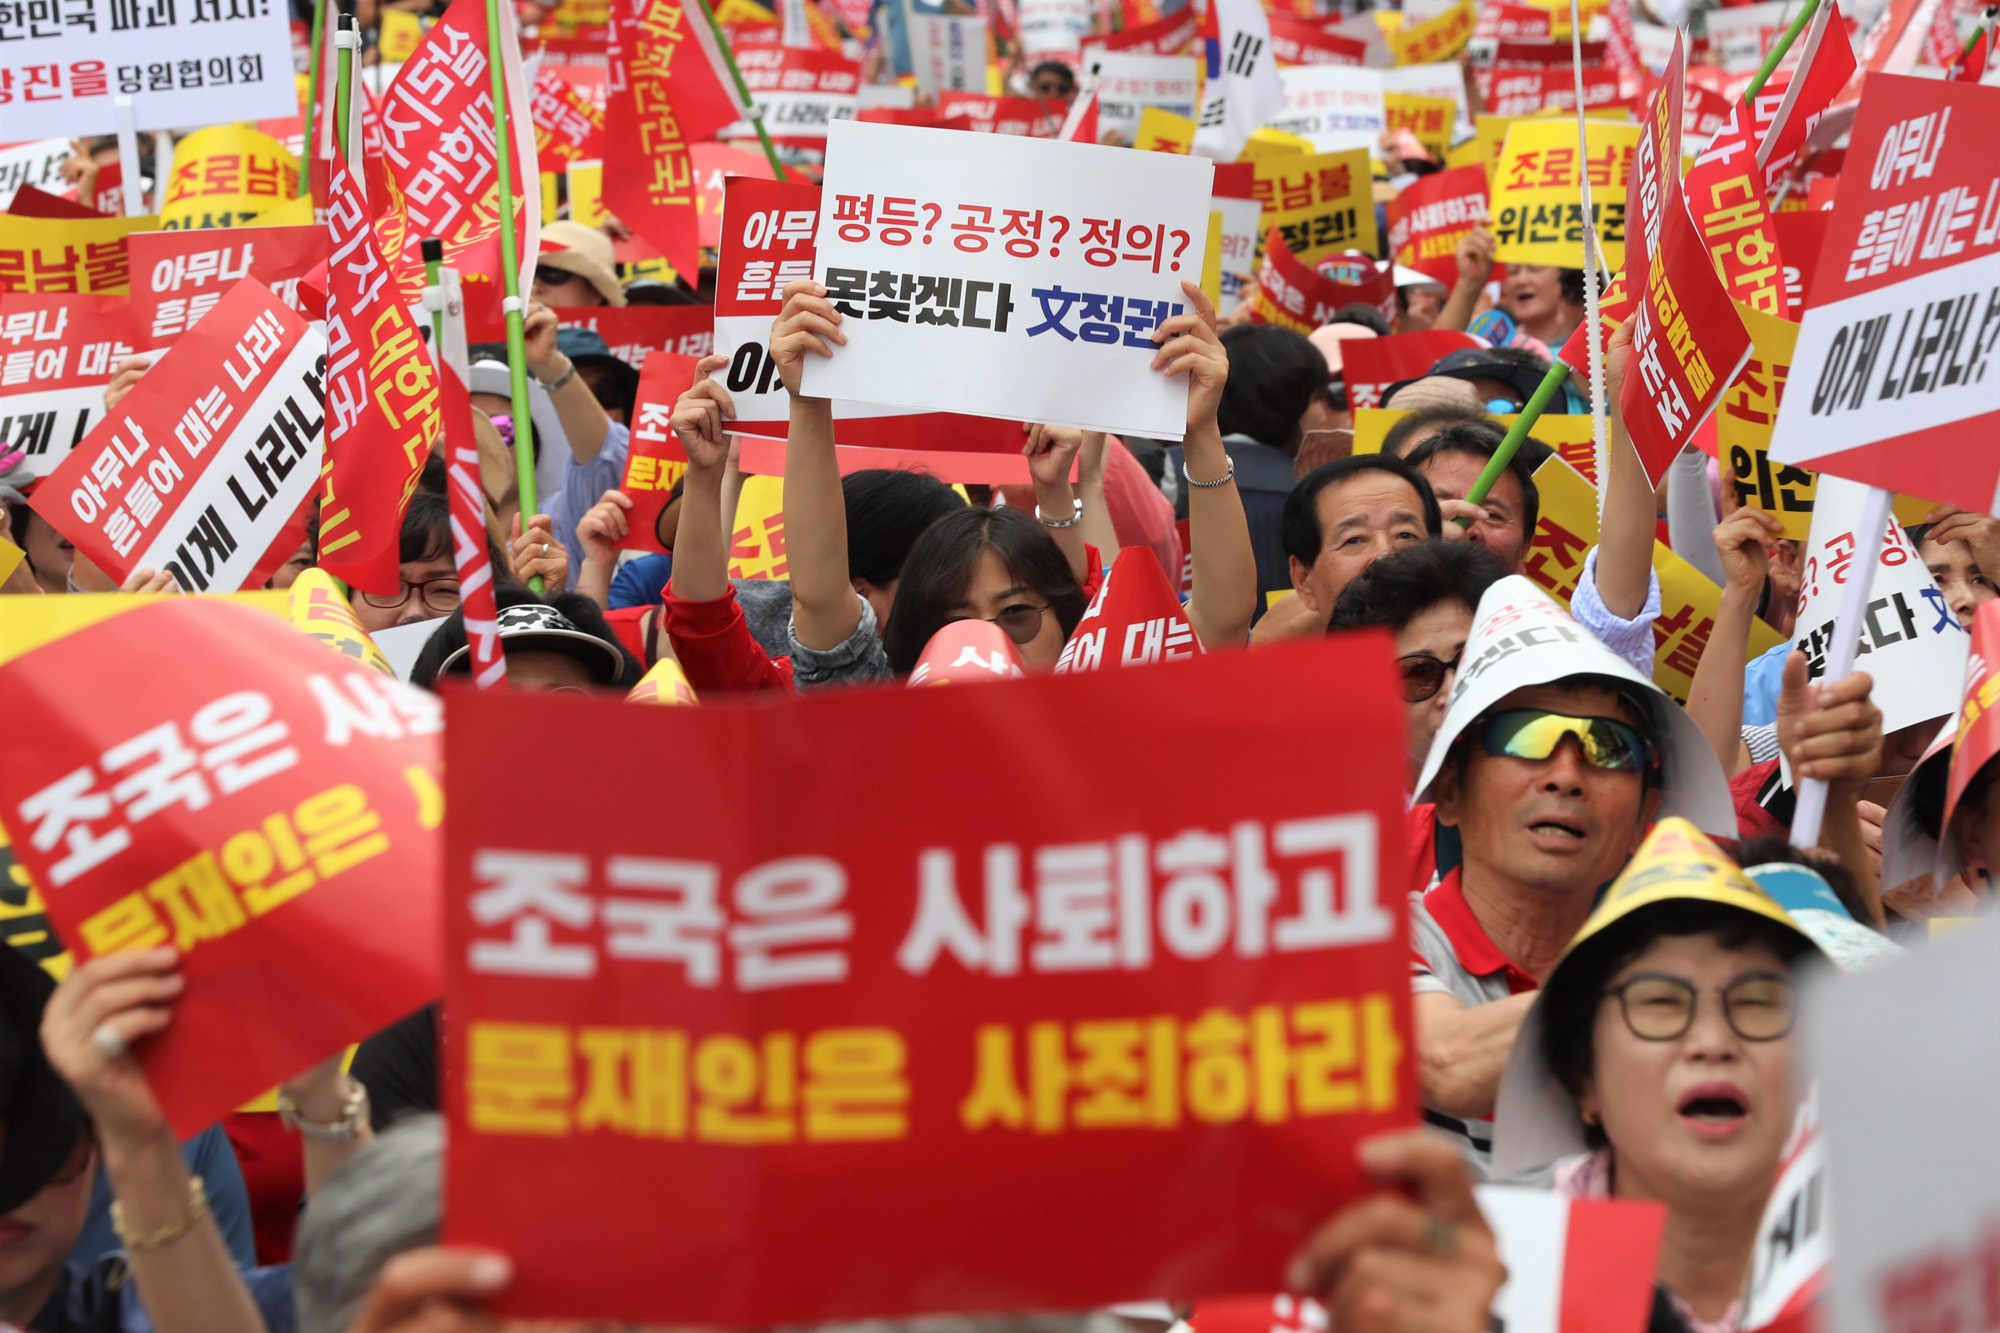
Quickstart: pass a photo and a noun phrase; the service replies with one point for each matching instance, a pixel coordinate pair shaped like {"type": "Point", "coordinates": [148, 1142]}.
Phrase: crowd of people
{"type": "Point", "coordinates": [1575, 1027]}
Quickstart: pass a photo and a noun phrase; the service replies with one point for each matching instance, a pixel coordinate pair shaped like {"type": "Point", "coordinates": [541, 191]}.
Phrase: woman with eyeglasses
{"type": "Point", "coordinates": [1031, 575]}
{"type": "Point", "coordinates": [1657, 1063]}
{"type": "Point", "coordinates": [1427, 594]}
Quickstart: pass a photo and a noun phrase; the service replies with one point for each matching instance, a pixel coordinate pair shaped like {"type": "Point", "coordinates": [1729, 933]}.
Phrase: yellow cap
{"type": "Point", "coordinates": [1677, 861]}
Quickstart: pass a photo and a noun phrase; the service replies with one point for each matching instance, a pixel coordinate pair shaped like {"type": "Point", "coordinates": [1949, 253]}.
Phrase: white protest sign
{"type": "Point", "coordinates": [1029, 273]}
{"type": "Point", "coordinates": [1334, 107]}
{"type": "Point", "coordinates": [204, 463]}
{"type": "Point", "coordinates": [57, 352]}
{"type": "Point", "coordinates": [1908, 1062]}
{"type": "Point", "coordinates": [38, 164]}
{"type": "Point", "coordinates": [1571, 1263]}
{"type": "Point", "coordinates": [1521, 637]}
{"type": "Point", "coordinates": [947, 51]}
{"type": "Point", "coordinates": [1910, 642]}
{"type": "Point", "coordinates": [1739, 36]}
{"type": "Point", "coordinates": [1795, 1237]}
{"type": "Point", "coordinates": [182, 62]}
{"type": "Point", "coordinates": [1443, 80]}
{"type": "Point", "coordinates": [1128, 84]}
{"type": "Point", "coordinates": [1054, 27]}
{"type": "Point", "coordinates": [891, 96]}
{"type": "Point", "coordinates": [1241, 227]}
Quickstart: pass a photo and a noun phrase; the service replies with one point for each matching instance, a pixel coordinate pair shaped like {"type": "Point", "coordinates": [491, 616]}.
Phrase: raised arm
{"type": "Point", "coordinates": [1050, 452]}
{"type": "Point", "coordinates": [1630, 517]}
{"type": "Point", "coordinates": [1098, 530]}
{"type": "Point", "coordinates": [1475, 266]}
{"type": "Point", "coordinates": [180, 1262]}
{"type": "Point", "coordinates": [701, 544]}
{"type": "Point", "coordinates": [1715, 700]}
{"type": "Point", "coordinates": [1225, 567]}
{"type": "Point", "coordinates": [582, 416]}
{"type": "Point", "coordinates": [825, 608]}
{"type": "Point", "coordinates": [1834, 732]}
{"type": "Point", "coordinates": [601, 525]}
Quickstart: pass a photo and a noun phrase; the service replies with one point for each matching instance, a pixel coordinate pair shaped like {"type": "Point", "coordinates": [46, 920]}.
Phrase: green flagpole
{"type": "Point", "coordinates": [743, 90]}
{"type": "Point", "coordinates": [343, 77]}
{"type": "Point", "coordinates": [510, 275]}
{"type": "Point", "coordinates": [312, 95]}
{"type": "Point", "coordinates": [1784, 44]}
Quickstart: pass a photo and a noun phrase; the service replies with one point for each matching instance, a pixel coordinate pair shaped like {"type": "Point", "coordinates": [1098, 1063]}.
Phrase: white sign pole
{"type": "Point", "coordinates": [128, 157]}
{"type": "Point", "coordinates": [1811, 806]}
{"type": "Point", "coordinates": [163, 167]}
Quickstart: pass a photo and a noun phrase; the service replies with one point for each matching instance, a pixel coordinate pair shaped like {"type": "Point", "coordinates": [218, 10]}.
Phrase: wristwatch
{"type": "Point", "coordinates": [560, 380]}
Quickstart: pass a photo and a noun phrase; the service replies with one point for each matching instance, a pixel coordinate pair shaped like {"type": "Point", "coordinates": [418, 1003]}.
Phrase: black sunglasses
{"type": "Point", "coordinates": [1423, 675]}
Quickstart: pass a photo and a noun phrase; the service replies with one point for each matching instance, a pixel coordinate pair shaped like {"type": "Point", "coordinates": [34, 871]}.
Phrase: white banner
{"type": "Point", "coordinates": [1335, 107]}
{"type": "Point", "coordinates": [1128, 84]}
{"type": "Point", "coordinates": [1908, 1061]}
{"type": "Point", "coordinates": [1911, 643]}
{"type": "Point", "coordinates": [947, 52]}
{"type": "Point", "coordinates": [1241, 222]}
{"type": "Point", "coordinates": [1054, 27]}
{"type": "Point", "coordinates": [183, 63]}
{"type": "Point", "coordinates": [57, 352]}
{"type": "Point", "coordinates": [1029, 275]}
{"type": "Point", "coordinates": [38, 164]}
{"type": "Point", "coordinates": [1795, 1237]}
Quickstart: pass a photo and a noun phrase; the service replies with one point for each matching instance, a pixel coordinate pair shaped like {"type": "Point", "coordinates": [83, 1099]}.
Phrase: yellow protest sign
{"type": "Point", "coordinates": [1429, 119]}
{"type": "Point", "coordinates": [586, 193]}
{"type": "Point", "coordinates": [1163, 132]}
{"type": "Point", "coordinates": [29, 622]}
{"type": "Point", "coordinates": [666, 683]}
{"type": "Point", "coordinates": [1211, 270]}
{"type": "Point", "coordinates": [1537, 204]}
{"type": "Point", "coordinates": [320, 610]}
{"type": "Point", "coordinates": [225, 175]}
{"type": "Point", "coordinates": [1267, 142]}
{"type": "Point", "coordinates": [1489, 134]}
{"type": "Point", "coordinates": [1743, 424]}
{"type": "Point", "coordinates": [757, 538]}
{"type": "Point", "coordinates": [292, 213]}
{"type": "Point", "coordinates": [574, 16]}
{"type": "Point", "coordinates": [1689, 600]}
{"type": "Point", "coordinates": [24, 916]}
{"type": "Point", "coordinates": [1322, 204]}
{"type": "Point", "coordinates": [399, 37]}
{"type": "Point", "coordinates": [1435, 39]}
{"type": "Point", "coordinates": [67, 254]}
{"type": "Point", "coordinates": [1568, 433]}
{"type": "Point", "coordinates": [551, 193]}
{"type": "Point", "coordinates": [11, 557]}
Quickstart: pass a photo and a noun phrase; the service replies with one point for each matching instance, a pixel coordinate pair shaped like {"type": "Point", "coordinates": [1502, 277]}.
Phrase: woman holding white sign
{"type": "Point", "coordinates": [995, 565]}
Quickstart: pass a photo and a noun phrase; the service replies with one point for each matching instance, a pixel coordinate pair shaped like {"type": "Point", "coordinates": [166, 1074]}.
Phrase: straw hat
{"type": "Point", "coordinates": [583, 251]}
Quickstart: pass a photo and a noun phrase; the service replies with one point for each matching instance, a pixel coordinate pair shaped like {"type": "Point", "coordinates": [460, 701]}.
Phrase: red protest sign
{"type": "Point", "coordinates": [1371, 365]}
{"type": "Point", "coordinates": [1002, 115]}
{"type": "Point", "coordinates": [769, 243]}
{"type": "Point", "coordinates": [655, 459]}
{"type": "Point", "coordinates": [264, 806]}
{"type": "Point", "coordinates": [632, 332]}
{"type": "Point", "coordinates": [713, 164]}
{"type": "Point", "coordinates": [1801, 236]}
{"type": "Point", "coordinates": [1302, 298]}
{"type": "Point", "coordinates": [203, 463]}
{"type": "Point", "coordinates": [1889, 382]}
{"type": "Point", "coordinates": [775, 1013]}
{"type": "Point", "coordinates": [569, 125]}
{"type": "Point", "coordinates": [1432, 215]}
{"type": "Point", "coordinates": [800, 91]}
{"type": "Point", "coordinates": [178, 276]}
{"type": "Point", "coordinates": [1978, 723]}
{"type": "Point", "coordinates": [57, 352]}
{"type": "Point", "coordinates": [1304, 42]}
{"type": "Point", "coordinates": [1169, 36]}
{"type": "Point", "coordinates": [1818, 78]}
{"type": "Point", "coordinates": [1135, 619]}
{"type": "Point", "coordinates": [1522, 92]}
{"type": "Point", "coordinates": [1725, 196]}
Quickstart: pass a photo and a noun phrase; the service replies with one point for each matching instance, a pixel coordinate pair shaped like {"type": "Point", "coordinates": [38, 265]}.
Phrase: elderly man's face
{"type": "Point", "coordinates": [1361, 520]}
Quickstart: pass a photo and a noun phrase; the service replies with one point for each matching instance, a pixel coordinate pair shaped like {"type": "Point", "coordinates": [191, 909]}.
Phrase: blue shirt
{"type": "Point", "coordinates": [1763, 681]}
{"type": "Point", "coordinates": [101, 1298]}
{"type": "Point", "coordinates": [638, 582]}
{"type": "Point", "coordinates": [209, 1156]}
{"type": "Point", "coordinates": [583, 484]}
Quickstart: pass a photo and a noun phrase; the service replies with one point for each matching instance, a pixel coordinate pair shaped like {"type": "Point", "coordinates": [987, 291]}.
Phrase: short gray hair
{"type": "Point", "coordinates": [382, 1201]}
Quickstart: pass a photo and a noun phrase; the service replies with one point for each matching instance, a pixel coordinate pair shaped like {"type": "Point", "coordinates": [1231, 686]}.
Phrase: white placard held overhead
{"type": "Point", "coordinates": [1334, 107]}
{"type": "Point", "coordinates": [1128, 84]}
{"type": "Point", "coordinates": [38, 163]}
{"type": "Point", "coordinates": [1007, 277]}
{"type": "Point", "coordinates": [182, 62]}
{"type": "Point", "coordinates": [947, 51]}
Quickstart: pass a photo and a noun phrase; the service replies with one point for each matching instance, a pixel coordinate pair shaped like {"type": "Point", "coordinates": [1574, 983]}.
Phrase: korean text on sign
{"type": "Point", "coordinates": [56, 355]}
{"type": "Point", "coordinates": [1092, 1004]}
{"type": "Point", "coordinates": [1537, 205]}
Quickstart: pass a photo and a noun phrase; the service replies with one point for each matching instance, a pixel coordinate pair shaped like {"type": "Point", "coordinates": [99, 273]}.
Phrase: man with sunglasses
{"type": "Point", "coordinates": [1553, 759]}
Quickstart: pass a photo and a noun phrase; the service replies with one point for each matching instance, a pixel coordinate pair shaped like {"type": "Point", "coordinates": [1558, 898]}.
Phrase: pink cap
{"type": "Point", "coordinates": [1329, 337]}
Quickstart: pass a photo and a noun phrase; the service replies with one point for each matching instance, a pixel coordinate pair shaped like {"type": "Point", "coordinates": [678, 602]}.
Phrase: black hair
{"type": "Point", "coordinates": [887, 510]}
{"type": "Point", "coordinates": [1274, 375]}
{"type": "Point", "coordinates": [1480, 440]}
{"type": "Point", "coordinates": [1367, 316]}
{"type": "Point", "coordinates": [434, 476]}
{"type": "Point", "coordinates": [1519, 356]}
{"type": "Point", "coordinates": [938, 571]}
{"type": "Point", "coordinates": [1772, 847]}
{"type": "Point", "coordinates": [427, 528]}
{"type": "Point", "coordinates": [1571, 282]}
{"type": "Point", "coordinates": [576, 608]}
{"type": "Point", "coordinates": [1056, 66]}
{"type": "Point", "coordinates": [1569, 1002]}
{"type": "Point", "coordinates": [1298, 525]}
{"type": "Point", "coordinates": [1404, 584]}
{"type": "Point", "coordinates": [1392, 442]}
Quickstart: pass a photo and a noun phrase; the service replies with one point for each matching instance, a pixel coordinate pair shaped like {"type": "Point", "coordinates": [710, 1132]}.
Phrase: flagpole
{"type": "Point", "coordinates": [312, 95]}
{"type": "Point", "coordinates": [510, 276]}
{"type": "Point", "coordinates": [743, 90]}
{"type": "Point", "coordinates": [432, 248]}
{"type": "Point", "coordinates": [343, 74]}
{"type": "Point", "coordinates": [1784, 44]}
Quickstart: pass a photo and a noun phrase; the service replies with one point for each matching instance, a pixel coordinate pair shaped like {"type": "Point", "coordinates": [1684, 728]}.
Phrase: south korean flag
{"type": "Point", "coordinates": [1243, 90]}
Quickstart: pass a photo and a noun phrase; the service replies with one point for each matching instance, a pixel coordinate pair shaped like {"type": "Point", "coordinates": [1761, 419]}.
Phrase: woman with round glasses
{"type": "Point", "coordinates": [1656, 1064]}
